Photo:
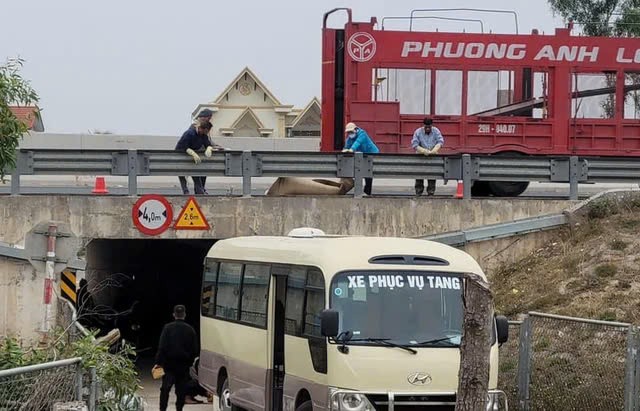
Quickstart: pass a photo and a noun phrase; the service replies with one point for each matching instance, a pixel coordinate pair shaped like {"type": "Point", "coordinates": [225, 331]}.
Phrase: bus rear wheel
{"type": "Point", "coordinates": [305, 406]}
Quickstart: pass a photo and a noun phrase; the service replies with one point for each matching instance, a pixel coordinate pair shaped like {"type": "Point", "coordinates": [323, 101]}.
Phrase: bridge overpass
{"type": "Point", "coordinates": [101, 241]}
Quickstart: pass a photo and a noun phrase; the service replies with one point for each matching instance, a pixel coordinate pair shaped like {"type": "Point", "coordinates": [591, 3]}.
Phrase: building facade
{"type": "Point", "coordinates": [247, 108]}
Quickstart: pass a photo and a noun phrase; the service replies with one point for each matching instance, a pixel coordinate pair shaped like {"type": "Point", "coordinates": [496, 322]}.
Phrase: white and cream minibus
{"type": "Point", "coordinates": [316, 322]}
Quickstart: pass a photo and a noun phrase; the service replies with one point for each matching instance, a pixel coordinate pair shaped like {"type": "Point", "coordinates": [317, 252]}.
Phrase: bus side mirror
{"type": "Point", "coordinates": [329, 322]}
{"type": "Point", "coordinates": [502, 328]}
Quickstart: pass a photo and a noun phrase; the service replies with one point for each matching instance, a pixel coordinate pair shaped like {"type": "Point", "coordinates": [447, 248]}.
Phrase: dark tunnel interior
{"type": "Point", "coordinates": [134, 285]}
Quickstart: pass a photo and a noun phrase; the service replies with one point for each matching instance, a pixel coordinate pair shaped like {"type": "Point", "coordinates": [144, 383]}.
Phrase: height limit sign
{"type": "Point", "coordinates": [152, 214]}
{"type": "Point", "coordinates": [191, 217]}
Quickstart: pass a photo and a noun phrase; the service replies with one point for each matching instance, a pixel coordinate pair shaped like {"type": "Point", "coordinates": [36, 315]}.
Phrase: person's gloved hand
{"type": "Point", "coordinates": [209, 151]}
{"type": "Point", "coordinates": [422, 150]}
{"type": "Point", "coordinates": [347, 150]}
{"type": "Point", "coordinates": [436, 149]}
{"type": "Point", "coordinates": [196, 157]}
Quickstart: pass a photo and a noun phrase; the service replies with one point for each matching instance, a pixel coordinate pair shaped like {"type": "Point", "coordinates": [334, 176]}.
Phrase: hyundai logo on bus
{"type": "Point", "coordinates": [419, 378]}
{"type": "Point", "coordinates": [399, 281]}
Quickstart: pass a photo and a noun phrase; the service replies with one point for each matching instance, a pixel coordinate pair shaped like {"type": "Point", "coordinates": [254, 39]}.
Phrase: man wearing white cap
{"type": "Point", "coordinates": [359, 141]}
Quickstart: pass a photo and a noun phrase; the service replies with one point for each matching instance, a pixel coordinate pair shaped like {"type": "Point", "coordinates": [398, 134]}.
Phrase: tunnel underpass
{"type": "Point", "coordinates": [136, 283]}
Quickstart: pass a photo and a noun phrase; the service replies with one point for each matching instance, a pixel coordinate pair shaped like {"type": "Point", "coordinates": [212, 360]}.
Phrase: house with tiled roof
{"type": "Point", "coordinates": [247, 108]}
{"type": "Point", "coordinates": [30, 116]}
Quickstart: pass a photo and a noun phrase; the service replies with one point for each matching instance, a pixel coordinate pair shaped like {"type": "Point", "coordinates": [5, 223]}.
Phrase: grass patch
{"type": "Point", "coordinates": [618, 244]}
{"type": "Point", "coordinates": [602, 208]}
{"type": "Point", "coordinates": [606, 270]}
{"type": "Point", "coordinates": [630, 223]}
{"type": "Point", "coordinates": [608, 316]}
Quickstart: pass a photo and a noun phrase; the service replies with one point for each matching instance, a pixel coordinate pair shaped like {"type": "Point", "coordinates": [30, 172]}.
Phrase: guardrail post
{"type": "Point", "coordinates": [132, 161]}
{"type": "Point", "coordinates": [574, 172]}
{"type": "Point", "coordinates": [524, 364]}
{"type": "Point", "coordinates": [247, 172]}
{"type": "Point", "coordinates": [466, 175]}
{"type": "Point", "coordinates": [358, 175]}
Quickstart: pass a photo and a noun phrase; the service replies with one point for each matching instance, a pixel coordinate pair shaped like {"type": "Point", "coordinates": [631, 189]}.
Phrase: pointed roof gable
{"type": "Point", "coordinates": [252, 116]}
{"type": "Point", "coordinates": [313, 104]}
{"type": "Point", "coordinates": [247, 71]}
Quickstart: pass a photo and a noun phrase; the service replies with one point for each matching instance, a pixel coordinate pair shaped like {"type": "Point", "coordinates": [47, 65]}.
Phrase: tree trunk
{"type": "Point", "coordinates": [473, 382]}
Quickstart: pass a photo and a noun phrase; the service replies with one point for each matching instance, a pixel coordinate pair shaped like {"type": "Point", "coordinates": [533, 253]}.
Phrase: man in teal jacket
{"type": "Point", "coordinates": [359, 141]}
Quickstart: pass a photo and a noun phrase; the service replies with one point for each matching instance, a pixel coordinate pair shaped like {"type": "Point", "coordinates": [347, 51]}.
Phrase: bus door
{"type": "Point", "coordinates": [280, 275]}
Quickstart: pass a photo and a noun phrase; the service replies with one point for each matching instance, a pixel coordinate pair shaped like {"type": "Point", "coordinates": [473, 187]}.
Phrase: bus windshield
{"type": "Point", "coordinates": [412, 308]}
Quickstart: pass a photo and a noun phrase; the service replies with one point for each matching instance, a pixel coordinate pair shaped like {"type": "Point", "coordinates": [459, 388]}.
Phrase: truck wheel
{"type": "Point", "coordinates": [507, 188]}
{"type": "Point", "coordinates": [480, 189]}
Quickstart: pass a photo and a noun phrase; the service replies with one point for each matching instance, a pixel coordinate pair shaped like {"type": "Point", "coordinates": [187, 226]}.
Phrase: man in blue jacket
{"type": "Point", "coordinates": [192, 140]}
{"type": "Point", "coordinates": [359, 141]}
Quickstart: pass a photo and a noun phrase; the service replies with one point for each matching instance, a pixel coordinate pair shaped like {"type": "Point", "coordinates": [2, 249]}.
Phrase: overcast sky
{"type": "Point", "coordinates": [142, 66]}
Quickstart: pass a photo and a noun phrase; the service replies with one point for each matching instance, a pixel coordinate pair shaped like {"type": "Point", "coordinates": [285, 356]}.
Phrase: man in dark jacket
{"type": "Point", "coordinates": [196, 138]}
{"type": "Point", "coordinates": [177, 349]}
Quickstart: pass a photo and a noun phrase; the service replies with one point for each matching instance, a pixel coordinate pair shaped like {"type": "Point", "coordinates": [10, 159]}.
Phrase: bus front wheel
{"type": "Point", "coordinates": [225, 398]}
{"type": "Point", "coordinates": [305, 406]}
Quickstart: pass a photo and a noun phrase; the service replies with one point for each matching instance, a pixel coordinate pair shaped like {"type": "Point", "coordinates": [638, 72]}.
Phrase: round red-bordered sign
{"type": "Point", "coordinates": [152, 214]}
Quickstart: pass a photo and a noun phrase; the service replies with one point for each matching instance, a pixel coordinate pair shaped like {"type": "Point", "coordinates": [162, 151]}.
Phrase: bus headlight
{"type": "Point", "coordinates": [349, 401]}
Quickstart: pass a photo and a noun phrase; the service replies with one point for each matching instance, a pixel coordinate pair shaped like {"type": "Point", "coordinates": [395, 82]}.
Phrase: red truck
{"type": "Point", "coordinates": [497, 94]}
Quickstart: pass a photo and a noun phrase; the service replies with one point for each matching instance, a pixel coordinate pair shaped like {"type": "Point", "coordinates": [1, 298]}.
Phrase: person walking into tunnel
{"type": "Point", "coordinates": [195, 139]}
{"type": "Point", "coordinates": [359, 141]}
{"type": "Point", "coordinates": [427, 140]}
{"type": "Point", "coordinates": [177, 349]}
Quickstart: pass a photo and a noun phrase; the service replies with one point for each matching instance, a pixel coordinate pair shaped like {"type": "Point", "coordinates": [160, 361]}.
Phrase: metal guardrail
{"type": "Point", "coordinates": [500, 230]}
{"type": "Point", "coordinates": [247, 164]}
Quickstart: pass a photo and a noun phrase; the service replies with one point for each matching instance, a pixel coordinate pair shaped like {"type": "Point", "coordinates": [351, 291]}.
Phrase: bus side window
{"type": "Point", "coordinates": [228, 297]}
{"type": "Point", "coordinates": [315, 303]}
{"type": "Point", "coordinates": [209, 279]}
{"type": "Point", "coordinates": [255, 288]}
{"type": "Point", "coordinates": [295, 300]}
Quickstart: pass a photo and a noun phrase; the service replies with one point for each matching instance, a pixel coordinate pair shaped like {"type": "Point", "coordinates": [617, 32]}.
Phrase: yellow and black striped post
{"type": "Point", "coordinates": [68, 287]}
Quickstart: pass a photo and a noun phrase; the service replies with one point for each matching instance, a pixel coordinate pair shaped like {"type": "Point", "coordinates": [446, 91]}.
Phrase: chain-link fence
{"type": "Point", "coordinates": [49, 386]}
{"type": "Point", "coordinates": [562, 363]}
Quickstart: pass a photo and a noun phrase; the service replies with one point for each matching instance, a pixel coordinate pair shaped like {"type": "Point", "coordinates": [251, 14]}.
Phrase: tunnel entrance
{"type": "Point", "coordinates": [135, 284]}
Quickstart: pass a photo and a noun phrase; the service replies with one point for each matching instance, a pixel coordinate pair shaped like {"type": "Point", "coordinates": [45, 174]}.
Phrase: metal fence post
{"type": "Point", "coordinates": [247, 172]}
{"type": "Point", "coordinates": [79, 381]}
{"type": "Point", "coordinates": [629, 370]}
{"type": "Point", "coordinates": [358, 175]}
{"type": "Point", "coordinates": [524, 364]}
{"type": "Point", "coordinates": [133, 171]}
{"type": "Point", "coordinates": [93, 392]}
{"type": "Point", "coordinates": [574, 163]}
{"type": "Point", "coordinates": [466, 175]}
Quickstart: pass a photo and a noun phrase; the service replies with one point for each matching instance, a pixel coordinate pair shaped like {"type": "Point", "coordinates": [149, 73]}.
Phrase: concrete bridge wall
{"type": "Point", "coordinates": [94, 217]}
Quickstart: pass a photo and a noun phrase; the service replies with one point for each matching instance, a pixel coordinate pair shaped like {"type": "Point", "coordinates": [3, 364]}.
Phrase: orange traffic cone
{"type": "Point", "coordinates": [460, 190]}
{"type": "Point", "coordinates": [100, 186]}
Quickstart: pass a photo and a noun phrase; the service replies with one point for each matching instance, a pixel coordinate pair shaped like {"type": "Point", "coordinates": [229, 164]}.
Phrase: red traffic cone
{"type": "Point", "coordinates": [100, 186]}
{"type": "Point", "coordinates": [460, 190]}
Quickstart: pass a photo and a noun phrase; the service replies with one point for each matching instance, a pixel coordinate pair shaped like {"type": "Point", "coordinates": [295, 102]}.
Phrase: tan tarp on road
{"type": "Point", "coordinates": [291, 186]}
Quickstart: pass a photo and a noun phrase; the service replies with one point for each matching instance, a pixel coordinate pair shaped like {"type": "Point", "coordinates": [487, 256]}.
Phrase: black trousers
{"type": "Point", "coordinates": [431, 187]}
{"type": "Point", "coordinates": [368, 185]}
{"type": "Point", "coordinates": [198, 184]}
{"type": "Point", "coordinates": [180, 380]}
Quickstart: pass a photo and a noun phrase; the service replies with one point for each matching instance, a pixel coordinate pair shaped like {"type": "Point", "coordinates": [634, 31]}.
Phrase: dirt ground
{"type": "Point", "coordinates": [590, 270]}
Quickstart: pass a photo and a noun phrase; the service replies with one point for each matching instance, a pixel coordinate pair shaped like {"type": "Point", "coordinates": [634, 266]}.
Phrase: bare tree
{"type": "Point", "coordinates": [475, 347]}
